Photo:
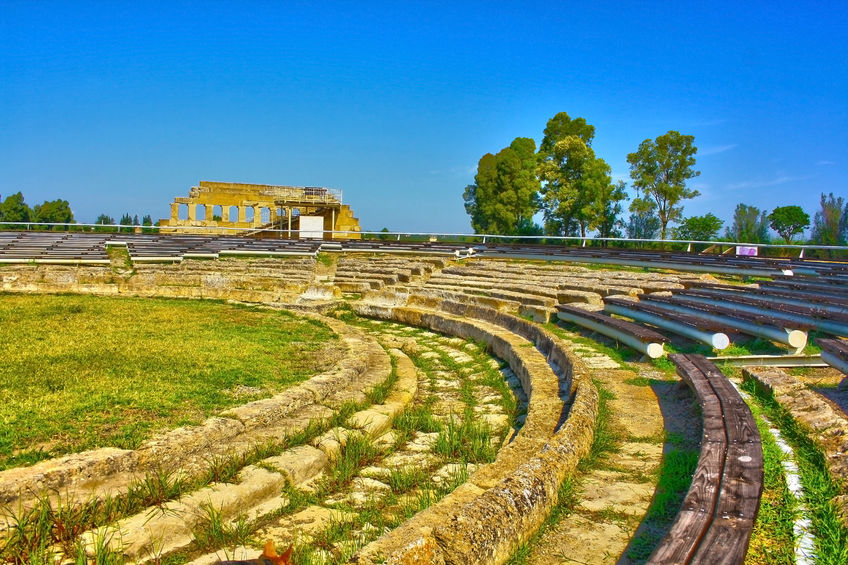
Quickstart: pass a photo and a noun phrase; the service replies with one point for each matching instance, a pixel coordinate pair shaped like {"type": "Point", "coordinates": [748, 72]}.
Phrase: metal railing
{"type": "Point", "coordinates": [446, 237]}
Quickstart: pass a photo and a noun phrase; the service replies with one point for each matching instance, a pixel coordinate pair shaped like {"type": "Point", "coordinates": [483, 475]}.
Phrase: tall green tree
{"type": "Point", "coordinates": [53, 212]}
{"type": "Point", "coordinates": [750, 225]}
{"type": "Point", "coordinates": [561, 126]}
{"type": "Point", "coordinates": [148, 221]}
{"type": "Point", "coordinates": [105, 220]}
{"type": "Point", "coordinates": [788, 221]}
{"type": "Point", "coordinates": [698, 228]}
{"type": "Point", "coordinates": [643, 222]}
{"type": "Point", "coordinates": [830, 224]}
{"type": "Point", "coordinates": [504, 195]}
{"type": "Point", "coordinates": [15, 209]}
{"type": "Point", "coordinates": [660, 169]}
{"type": "Point", "coordinates": [577, 191]}
{"type": "Point", "coordinates": [126, 220]}
{"type": "Point", "coordinates": [604, 210]}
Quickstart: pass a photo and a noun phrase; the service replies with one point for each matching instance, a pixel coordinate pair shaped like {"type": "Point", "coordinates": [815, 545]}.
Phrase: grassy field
{"type": "Point", "coordinates": [78, 372]}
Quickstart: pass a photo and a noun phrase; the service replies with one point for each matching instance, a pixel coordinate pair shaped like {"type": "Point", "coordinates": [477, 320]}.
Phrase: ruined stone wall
{"type": "Point", "coordinates": [246, 280]}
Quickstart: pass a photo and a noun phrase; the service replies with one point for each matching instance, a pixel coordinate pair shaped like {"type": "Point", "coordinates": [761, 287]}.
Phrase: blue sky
{"type": "Point", "coordinates": [121, 106]}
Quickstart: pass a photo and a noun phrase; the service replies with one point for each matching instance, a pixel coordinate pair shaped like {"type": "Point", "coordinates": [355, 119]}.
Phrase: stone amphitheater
{"type": "Point", "coordinates": [435, 339]}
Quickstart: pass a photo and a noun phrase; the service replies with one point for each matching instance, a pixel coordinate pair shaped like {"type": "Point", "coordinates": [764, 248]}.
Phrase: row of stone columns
{"type": "Point", "coordinates": [274, 215]}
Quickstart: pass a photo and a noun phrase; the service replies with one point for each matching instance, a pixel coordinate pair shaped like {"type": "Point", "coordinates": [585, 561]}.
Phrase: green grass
{"type": "Point", "coordinates": [466, 439]}
{"type": "Point", "coordinates": [819, 489]}
{"type": "Point", "coordinates": [606, 438]}
{"type": "Point", "coordinates": [81, 372]}
{"type": "Point", "coordinates": [773, 539]}
{"type": "Point", "coordinates": [605, 442]}
{"type": "Point", "coordinates": [675, 475]}
{"type": "Point", "coordinates": [325, 259]}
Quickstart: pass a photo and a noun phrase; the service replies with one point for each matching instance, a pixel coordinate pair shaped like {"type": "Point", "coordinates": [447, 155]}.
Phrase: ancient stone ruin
{"type": "Point", "coordinates": [249, 209]}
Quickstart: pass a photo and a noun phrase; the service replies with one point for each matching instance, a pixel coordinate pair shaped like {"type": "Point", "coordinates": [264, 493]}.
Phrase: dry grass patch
{"type": "Point", "coordinates": [80, 372]}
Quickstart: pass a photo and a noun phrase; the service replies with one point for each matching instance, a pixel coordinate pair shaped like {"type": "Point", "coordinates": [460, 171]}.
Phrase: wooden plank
{"type": "Point", "coordinates": [726, 543]}
{"type": "Point", "coordinates": [836, 347]}
{"type": "Point", "coordinates": [718, 513]}
{"type": "Point", "coordinates": [696, 513]}
{"type": "Point", "coordinates": [689, 320]}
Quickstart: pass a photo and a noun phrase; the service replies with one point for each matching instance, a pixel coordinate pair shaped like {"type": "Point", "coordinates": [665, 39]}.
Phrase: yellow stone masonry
{"type": "Point", "coordinates": [225, 207]}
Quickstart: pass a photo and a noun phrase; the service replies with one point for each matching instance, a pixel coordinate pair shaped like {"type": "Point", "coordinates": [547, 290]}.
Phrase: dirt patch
{"type": "Point", "coordinates": [615, 496]}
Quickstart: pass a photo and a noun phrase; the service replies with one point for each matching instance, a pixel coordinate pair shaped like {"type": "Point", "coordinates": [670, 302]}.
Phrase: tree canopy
{"type": "Point", "coordinates": [660, 169]}
{"type": "Point", "coordinates": [788, 221]}
{"type": "Point", "coordinates": [750, 225]}
{"type": "Point", "coordinates": [504, 195]}
{"type": "Point", "coordinates": [53, 212]}
{"type": "Point", "coordinates": [830, 224]}
{"type": "Point", "coordinates": [577, 190]}
{"type": "Point", "coordinates": [698, 228]}
{"type": "Point", "coordinates": [14, 209]}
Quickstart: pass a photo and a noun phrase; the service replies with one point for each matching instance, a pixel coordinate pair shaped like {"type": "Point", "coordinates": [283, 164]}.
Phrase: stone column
{"type": "Point", "coordinates": [242, 214]}
{"type": "Point", "coordinates": [192, 212]}
{"type": "Point", "coordinates": [175, 211]}
{"type": "Point", "coordinates": [225, 213]}
{"type": "Point", "coordinates": [210, 211]}
{"type": "Point", "coordinates": [257, 216]}
{"type": "Point", "coordinates": [288, 215]}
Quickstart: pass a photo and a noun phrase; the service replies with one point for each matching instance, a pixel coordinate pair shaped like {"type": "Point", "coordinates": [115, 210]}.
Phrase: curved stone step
{"type": "Point", "coordinates": [503, 503]}
{"type": "Point", "coordinates": [161, 530]}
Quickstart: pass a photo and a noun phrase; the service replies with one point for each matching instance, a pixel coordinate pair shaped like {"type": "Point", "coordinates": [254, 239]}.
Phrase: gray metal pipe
{"type": "Point", "coordinates": [828, 326]}
{"type": "Point", "coordinates": [787, 300]}
{"type": "Point", "coordinates": [717, 340]}
{"type": "Point", "coordinates": [792, 338]}
{"type": "Point", "coordinates": [651, 349]}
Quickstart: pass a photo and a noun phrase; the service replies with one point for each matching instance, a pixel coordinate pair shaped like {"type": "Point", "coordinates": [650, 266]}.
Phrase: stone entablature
{"type": "Point", "coordinates": [225, 205]}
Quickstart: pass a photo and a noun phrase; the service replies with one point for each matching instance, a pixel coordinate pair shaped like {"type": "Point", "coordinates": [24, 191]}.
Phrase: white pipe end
{"type": "Point", "coordinates": [654, 350]}
{"type": "Point", "coordinates": [797, 338]}
{"type": "Point", "coordinates": [720, 341]}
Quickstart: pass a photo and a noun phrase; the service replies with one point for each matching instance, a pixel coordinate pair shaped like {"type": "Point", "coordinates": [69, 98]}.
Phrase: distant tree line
{"type": "Point", "coordinates": [574, 191]}
{"type": "Point", "coordinates": [15, 209]}
{"type": "Point", "coordinates": [751, 225]}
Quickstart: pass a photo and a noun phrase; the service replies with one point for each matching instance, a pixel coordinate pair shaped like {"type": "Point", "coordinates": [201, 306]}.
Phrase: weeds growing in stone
{"type": "Point", "coordinates": [606, 438]}
{"type": "Point", "coordinates": [356, 452]}
{"type": "Point", "coordinates": [819, 489]}
{"type": "Point", "coordinates": [773, 539]}
{"type": "Point", "coordinates": [213, 531]}
{"type": "Point", "coordinates": [405, 479]}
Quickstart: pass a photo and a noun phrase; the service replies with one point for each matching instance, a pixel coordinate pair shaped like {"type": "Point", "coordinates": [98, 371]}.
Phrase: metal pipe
{"type": "Point", "coordinates": [771, 360]}
{"type": "Point", "coordinates": [719, 294]}
{"type": "Point", "coordinates": [828, 326]}
{"type": "Point", "coordinates": [834, 361]}
{"type": "Point", "coordinates": [716, 340]}
{"type": "Point", "coordinates": [651, 349]}
{"type": "Point", "coordinates": [792, 338]}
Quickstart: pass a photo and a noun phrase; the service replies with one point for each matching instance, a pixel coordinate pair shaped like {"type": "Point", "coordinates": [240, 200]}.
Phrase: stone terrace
{"type": "Point", "coordinates": [449, 344]}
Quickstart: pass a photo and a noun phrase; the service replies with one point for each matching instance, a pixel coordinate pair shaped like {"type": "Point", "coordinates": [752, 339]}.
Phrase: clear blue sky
{"type": "Point", "coordinates": [120, 106]}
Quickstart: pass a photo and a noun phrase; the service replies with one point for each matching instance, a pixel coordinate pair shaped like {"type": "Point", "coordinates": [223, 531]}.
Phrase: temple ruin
{"type": "Point", "coordinates": [262, 210]}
